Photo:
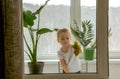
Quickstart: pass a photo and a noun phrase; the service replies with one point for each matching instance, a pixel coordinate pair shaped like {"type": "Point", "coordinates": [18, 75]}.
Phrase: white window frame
{"type": "Point", "coordinates": [102, 47]}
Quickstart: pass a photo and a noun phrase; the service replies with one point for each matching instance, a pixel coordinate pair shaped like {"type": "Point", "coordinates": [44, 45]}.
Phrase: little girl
{"type": "Point", "coordinates": [69, 61]}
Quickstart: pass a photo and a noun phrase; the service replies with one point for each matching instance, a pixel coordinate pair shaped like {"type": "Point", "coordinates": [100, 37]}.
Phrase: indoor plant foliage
{"type": "Point", "coordinates": [85, 35]}
{"type": "Point", "coordinates": [34, 31]}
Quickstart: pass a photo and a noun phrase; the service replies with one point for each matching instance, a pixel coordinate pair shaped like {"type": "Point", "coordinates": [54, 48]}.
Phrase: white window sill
{"type": "Point", "coordinates": [57, 60]}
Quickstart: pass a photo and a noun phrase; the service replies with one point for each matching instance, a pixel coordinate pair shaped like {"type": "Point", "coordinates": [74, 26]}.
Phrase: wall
{"type": "Point", "coordinates": [114, 69]}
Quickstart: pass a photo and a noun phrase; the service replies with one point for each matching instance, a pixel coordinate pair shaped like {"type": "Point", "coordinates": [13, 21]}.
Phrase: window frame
{"type": "Point", "coordinates": [102, 47]}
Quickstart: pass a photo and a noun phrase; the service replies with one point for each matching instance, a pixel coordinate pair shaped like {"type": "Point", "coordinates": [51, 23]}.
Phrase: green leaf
{"type": "Point", "coordinates": [44, 30]}
{"type": "Point", "coordinates": [28, 18]}
{"type": "Point", "coordinates": [41, 7]}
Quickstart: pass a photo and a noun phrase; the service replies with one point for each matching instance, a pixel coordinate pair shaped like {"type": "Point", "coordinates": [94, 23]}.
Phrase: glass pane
{"type": "Point", "coordinates": [114, 38]}
{"type": "Point", "coordinates": [114, 29]}
{"type": "Point", "coordinates": [56, 14]}
{"type": "Point", "coordinates": [88, 13]}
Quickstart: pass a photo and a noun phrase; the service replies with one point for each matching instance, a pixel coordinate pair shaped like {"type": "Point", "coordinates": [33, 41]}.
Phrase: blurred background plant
{"type": "Point", "coordinates": [84, 34]}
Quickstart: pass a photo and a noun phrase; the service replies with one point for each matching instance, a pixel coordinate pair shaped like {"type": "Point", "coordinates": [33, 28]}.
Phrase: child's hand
{"type": "Point", "coordinates": [77, 48]}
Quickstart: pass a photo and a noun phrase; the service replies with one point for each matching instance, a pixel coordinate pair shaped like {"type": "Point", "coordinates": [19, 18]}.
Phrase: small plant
{"type": "Point", "coordinates": [85, 35]}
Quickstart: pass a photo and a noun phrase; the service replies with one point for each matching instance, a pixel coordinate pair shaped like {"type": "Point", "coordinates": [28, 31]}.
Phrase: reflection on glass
{"type": "Point", "coordinates": [57, 15]}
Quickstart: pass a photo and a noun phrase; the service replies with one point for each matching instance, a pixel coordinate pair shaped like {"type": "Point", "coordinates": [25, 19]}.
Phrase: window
{"type": "Point", "coordinates": [102, 45]}
{"type": "Point", "coordinates": [101, 36]}
{"type": "Point", "coordinates": [57, 15]}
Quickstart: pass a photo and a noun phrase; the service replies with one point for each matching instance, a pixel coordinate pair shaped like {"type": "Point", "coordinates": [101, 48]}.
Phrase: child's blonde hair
{"type": "Point", "coordinates": [61, 31]}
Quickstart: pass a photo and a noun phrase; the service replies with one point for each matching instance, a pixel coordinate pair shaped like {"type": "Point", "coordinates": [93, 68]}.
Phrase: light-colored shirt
{"type": "Point", "coordinates": [71, 60]}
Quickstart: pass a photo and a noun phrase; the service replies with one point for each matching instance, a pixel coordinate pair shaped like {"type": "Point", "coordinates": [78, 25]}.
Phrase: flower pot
{"type": "Point", "coordinates": [36, 68]}
{"type": "Point", "coordinates": [89, 53]}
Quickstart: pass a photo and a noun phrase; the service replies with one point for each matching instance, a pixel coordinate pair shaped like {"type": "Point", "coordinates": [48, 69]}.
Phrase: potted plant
{"type": "Point", "coordinates": [34, 32]}
{"type": "Point", "coordinates": [86, 37]}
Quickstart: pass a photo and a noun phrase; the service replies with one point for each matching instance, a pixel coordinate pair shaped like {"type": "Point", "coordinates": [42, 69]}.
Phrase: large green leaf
{"type": "Point", "coordinates": [44, 30]}
{"type": "Point", "coordinates": [28, 18]}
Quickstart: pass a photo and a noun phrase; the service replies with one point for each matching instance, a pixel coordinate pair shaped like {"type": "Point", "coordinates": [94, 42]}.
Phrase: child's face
{"type": "Point", "coordinates": [64, 38]}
